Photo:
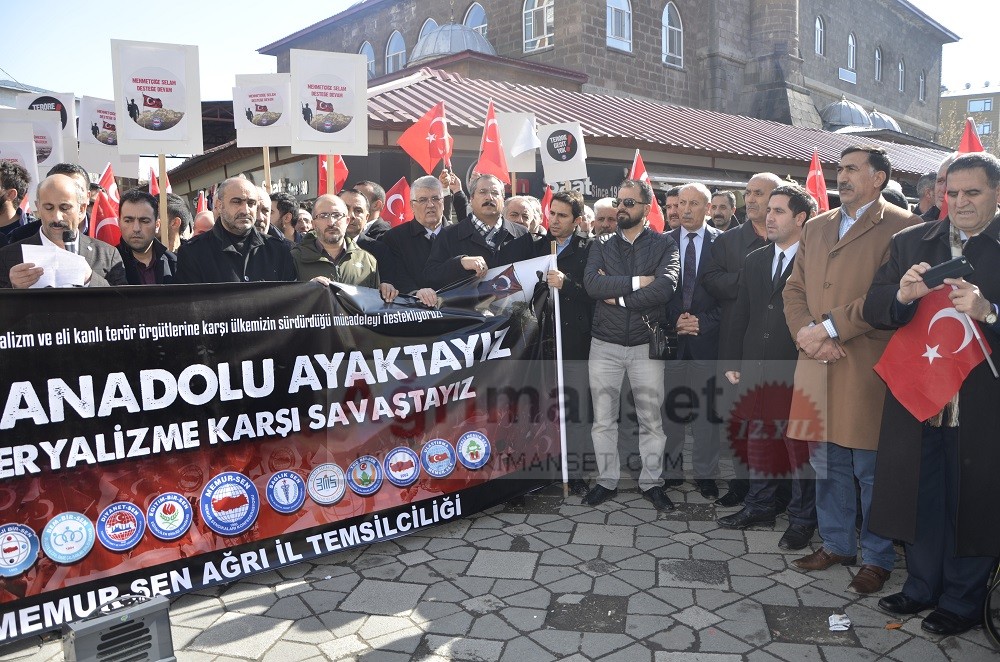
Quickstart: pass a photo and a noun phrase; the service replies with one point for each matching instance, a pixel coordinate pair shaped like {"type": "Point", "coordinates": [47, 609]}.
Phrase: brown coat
{"type": "Point", "coordinates": [840, 402]}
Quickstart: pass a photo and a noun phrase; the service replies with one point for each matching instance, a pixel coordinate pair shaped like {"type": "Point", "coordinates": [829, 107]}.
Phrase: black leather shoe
{"type": "Point", "coordinates": [707, 487]}
{"type": "Point", "coordinates": [673, 482]}
{"type": "Point", "coordinates": [659, 499]}
{"type": "Point", "coordinates": [731, 499]}
{"type": "Point", "coordinates": [946, 624]}
{"type": "Point", "coordinates": [746, 518]}
{"type": "Point", "coordinates": [898, 604]}
{"type": "Point", "coordinates": [578, 487]}
{"type": "Point", "coordinates": [796, 536]}
{"type": "Point", "coordinates": [598, 495]}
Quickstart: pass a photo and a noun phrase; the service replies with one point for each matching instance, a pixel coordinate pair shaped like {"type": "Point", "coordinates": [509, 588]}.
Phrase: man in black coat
{"type": "Point", "coordinates": [233, 251]}
{"type": "Point", "coordinates": [721, 278]}
{"type": "Point", "coordinates": [760, 360]}
{"type": "Point", "coordinates": [146, 260]}
{"type": "Point", "coordinates": [935, 482]}
{"type": "Point", "coordinates": [478, 243]}
{"type": "Point", "coordinates": [409, 245]}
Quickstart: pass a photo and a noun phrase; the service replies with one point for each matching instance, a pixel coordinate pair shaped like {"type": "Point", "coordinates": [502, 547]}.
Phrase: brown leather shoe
{"type": "Point", "coordinates": [822, 559]}
{"type": "Point", "coordinates": [870, 579]}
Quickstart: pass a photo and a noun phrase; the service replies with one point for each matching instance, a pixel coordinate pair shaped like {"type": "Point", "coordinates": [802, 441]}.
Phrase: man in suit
{"type": "Point", "coordinates": [935, 484]}
{"type": "Point", "coordinates": [61, 206]}
{"type": "Point", "coordinates": [721, 277]}
{"type": "Point", "coordinates": [840, 252]}
{"type": "Point", "coordinates": [408, 246]}
{"type": "Point", "coordinates": [146, 260]}
{"type": "Point", "coordinates": [374, 226]}
{"type": "Point", "coordinates": [760, 361]}
{"type": "Point", "coordinates": [694, 314]}
{"type": "Point", "coordinates": [479, 242]}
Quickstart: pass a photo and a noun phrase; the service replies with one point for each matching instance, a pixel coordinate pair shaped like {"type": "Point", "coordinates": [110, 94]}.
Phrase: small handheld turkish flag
{"type": "Point", "coordinates": [492, 160]}
{"type": "Point", "coordinates": [104, 220]}
{"type": "Point", "coordinates": [428, 141]}
{"type": "Point", "coordinates": [151, 102]}
{"type": "Point", "coordinates": [339, 174]}
{"type": "Point", "coordinates": [108, 183]}
{"type": "Point", "coordinates": [325, 106]}
{"type": "Point", "coordinates": [638, 172]}
{"type": "Point", "coordinates": [397, 208]}
{"type": "Point", "coordinates": [816, 183]}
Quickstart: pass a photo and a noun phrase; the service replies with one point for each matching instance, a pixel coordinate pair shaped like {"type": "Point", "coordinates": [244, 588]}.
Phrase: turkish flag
{"type": "Point", "coordinates": [969, 143]}
{"type": "Point", "coordinates": [108, 183]}
{"type": "Point", "coordinates": [502, 285]}
{"type": "Point", "coordinates": [151, 102]}
{"type": "Point", "coordinates": [397, 208]}
{"type": "Point", "coordinates": [202, 204]}
{"type": "Point", "coordinates": [492, 160]}
{"type": "Point", "coordinates": [927, 360]}
{"type": "Point", "coordinates": [638, 172]}
{"type": "Point", "coordinates": [104, 220]}
{"type": "Point", "coordinates": [154, 183]}
{"type": "Point", "coordinates": [108, 126]}
{"type": "Point", "coordinates": [428, 141]}
{"type": "Point", "coordinates": [325, 106]}
{"type": "Point", "coordinates": [816, 183]}
{"type": "Point", "coordinates": [260, 108]}
{"type": "Point", "coordinates": [339, 174]}
{"type": "Point", "coordinates": [546, 206]}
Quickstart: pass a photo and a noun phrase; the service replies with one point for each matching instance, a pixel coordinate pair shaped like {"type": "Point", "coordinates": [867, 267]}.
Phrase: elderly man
{"type": "Point", "coordinates": [935, 484]}
{"type": "Point", "coordinates": [146, 260]}
{"type": "Point", "coordinates": [233, 251]}
{"type": "Point", "coordinates": [839, 254]}
{"type": "Point", "coordinates": [520, 209]}
{"type": "Point", "coordinates": [61, 204]}
{"type": "Point", "coordinates": [925, 194]}
{"type": "Point", "coordinates": [723, 208]}
{"type": "Point", "coordinates": [605, 219]}
{"type": "Point", "coordinates": [203, 222]}
{"type": "Point", "coordinates": [409, 245]}
{"type": "Point", "coordinates": [329, 253]}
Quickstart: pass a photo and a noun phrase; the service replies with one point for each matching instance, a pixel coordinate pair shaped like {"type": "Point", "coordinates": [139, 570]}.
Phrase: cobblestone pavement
{"type": "Point", "coordinates": [548, 580]}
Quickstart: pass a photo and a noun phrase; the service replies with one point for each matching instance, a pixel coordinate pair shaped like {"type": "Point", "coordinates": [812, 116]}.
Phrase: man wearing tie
{"type": "Point", "coordinates": [759, 358]}
{"type": "Point", "coordinates": [695, 315]}
{"type": "Point", "coordinates": [408, 245]}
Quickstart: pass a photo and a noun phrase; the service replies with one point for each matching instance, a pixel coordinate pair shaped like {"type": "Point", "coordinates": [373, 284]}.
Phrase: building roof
{"type": "Point", "coordinates": [950, 37]}
{"type": "Point", "coordinates": [286, 42]}
{"type": "Point", "coordinates": [8, 84]}
{"type": "Point", "coordinates": [623, 122]}
{"type": "Point", "coordinates": [447, 40]}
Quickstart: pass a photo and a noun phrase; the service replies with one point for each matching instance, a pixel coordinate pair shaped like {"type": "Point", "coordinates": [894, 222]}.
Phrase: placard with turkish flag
{"type": "Point", "coordinates": [927, 360]}
{"type": "Point", "coordinates": [638, 172]}
{"type": "Point", "coordinates": [99, 138]}
{"type": "Point", "coordinates": [397, 208]}
{"type": "Point", "coordinates": [492, 160]}
{"type": "Point", "coordinates": [428, 140]}
{"type": "Point", "coordinates": [816, 183]}
{"type": "Point", "coordinates": [262, 105]}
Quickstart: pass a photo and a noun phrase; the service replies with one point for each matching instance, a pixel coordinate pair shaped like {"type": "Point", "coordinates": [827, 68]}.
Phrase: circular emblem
{"type": "Point", "coordinates": [190, 478]}
{"type": "Point", "coordinates": [760, 422]}
{"type": "Point", "coordinates": [169, 516]}
{"type": "Point", "coordinates": [157, 123]}
{"type": "Point", "coordinates": [230, 503]}
{"type": "Point", "coordinates": [18, 549]}
{"type": "Point", "coordinates": [437, 457]}
{"type": "Point", "coordinates": [365, 475]}
{"type": "Point", "coordinates": [327, 484]}
{"type": "Point", "coordinates": [120, 526]}
{"type": "Point", "coordinates": [286, 492]}
{"type": "Point", "coordinates": [561, 145]}
{"type": "Point", "coordinates": [473, 450]}
{"type": "Point", "coordinates": [281, 458]}
{"type": "Point", "coordinates": [68, 537]}
{"type": "Point", "coordinates": [402, 467]}
{"type": "Point", "coordinates": [50, 103]}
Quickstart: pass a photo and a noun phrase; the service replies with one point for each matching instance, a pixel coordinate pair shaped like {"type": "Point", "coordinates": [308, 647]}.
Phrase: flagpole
{"type": "Point", "coordinates": [331, 178]}
{"type": "Point", "coordinates": [266, 151]}
{"type": "Point", "coordinates": [513, 183]}
{"type": "Point", "coordinates": [563, 453]}
{"type": "Point", "coordinates": [982, 345]}
{"type": "Point", "coordinates": [164, 215]}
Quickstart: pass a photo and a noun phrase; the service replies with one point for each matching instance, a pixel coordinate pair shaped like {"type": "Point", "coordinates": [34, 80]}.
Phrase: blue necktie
{"type": "Point", "coordinates": [690, 272]}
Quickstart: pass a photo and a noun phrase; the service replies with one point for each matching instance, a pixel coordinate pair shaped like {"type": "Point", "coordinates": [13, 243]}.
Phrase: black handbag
{"type": "Point", "coordinates": [662, 340]}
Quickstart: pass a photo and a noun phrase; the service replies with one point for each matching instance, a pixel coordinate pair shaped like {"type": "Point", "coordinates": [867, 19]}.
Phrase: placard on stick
{"type": "Point", "coordinates": [331, 103]}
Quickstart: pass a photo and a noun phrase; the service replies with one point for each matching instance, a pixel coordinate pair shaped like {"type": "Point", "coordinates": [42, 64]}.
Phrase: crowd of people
{"type": "Point", "coordinates": [767, 309]}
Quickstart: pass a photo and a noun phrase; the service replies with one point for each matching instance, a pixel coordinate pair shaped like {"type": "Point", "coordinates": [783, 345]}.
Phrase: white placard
{"type": "Point", "coordinates": [17, 144]}
{"type": "Point", "coordinates": [262, 110]}
{"type": "Point", "coordinates": [330, 93]}
{"type": "Point", "coordinates": [99, 137]}
{"type": "Point", "coordinates": [63, 103]}
{"type": "Point", "coordinates": [564, 154]}
{"type": "Point", "coordinates": [157, 97]}
{"type": "Point", "coordinates": [46, 131]}
{"type": "Point", "coordinates": [513, 127]}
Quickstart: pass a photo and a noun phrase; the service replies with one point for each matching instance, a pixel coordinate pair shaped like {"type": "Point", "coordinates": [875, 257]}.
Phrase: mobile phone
{"type": "Point", "coordinates": [957, 267]}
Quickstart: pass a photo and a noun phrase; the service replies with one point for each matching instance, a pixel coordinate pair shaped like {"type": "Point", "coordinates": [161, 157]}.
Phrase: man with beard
{"type": "Point", "coordinates": [481, 241]}
{"type": "Point", "coordinates": [328, 253]}
{"type": "Point", "coordinates": [673, 208]}
{"type": "Point", "coordinates": [374, 226]}
{"type": "Point", "coordinates": [632, 275]}
{"type": "Point", "coordinates": [723, 206]}
{"type": "Point", "coordinates": [283, 215]}
{"type": "Point", "coordinates": [263, 215]}
{"type": "Point", "coordinates": [61, 204]}
{"type": "Point", "coordinates": [146, 260]}
{"type": "Point", "coordinates": [233, 251]}
{"type": "Point", "coordinates": [605, 218]}
{"type": "Point", "coordinates": [357, 213]}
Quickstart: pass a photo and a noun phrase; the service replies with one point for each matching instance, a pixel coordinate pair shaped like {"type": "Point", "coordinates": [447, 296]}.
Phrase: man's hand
{"type": "Point", "coordinates": [24, 275]}
{"type": "Point", "coordinates": [475, 264]}
{"type": "Point", "coordinates": [912, 286]}
{"type": "Point", "coordinates": [645, 280]}
{"type": "Point", "coordinates": [388, 292]}
{"type": "Point", "coordinates": [555, 278]}
{"type": "Point", "coordinates": [428, 297]}
{"type": "Point", "coordinates": [809, 339]}
{"type": "Point", "coordinates": [829, 351]}
{"type": "Point", "coordinates": [966, 298]}
{"type": "Point", "coordinates": [450, 181]}
{"type": "Point", "coordinates": [687, 325]}
{"type": "Point", "coordinates": [322, 280]}
{"type": "Point", "coordinates": [733, 376]}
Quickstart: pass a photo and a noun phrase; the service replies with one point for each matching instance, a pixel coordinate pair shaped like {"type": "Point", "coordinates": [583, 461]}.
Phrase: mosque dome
{"type": "Point", "coordinates": [448, 40]}
{"type": "Point", "coordinates": [845, 113]}
{"type": "Point", "coordinates": [883, 121]}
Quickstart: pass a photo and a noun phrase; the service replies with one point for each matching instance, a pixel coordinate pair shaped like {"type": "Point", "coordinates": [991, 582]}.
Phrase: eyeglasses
{"type": "Point", "coordinates": [491, 192]}
{"type": "Point", "coordinates": [434, 199]}
{"type": "Point", "coordinates": [628, 202]}
{"type": "Point", "coordinates": [330, 215]}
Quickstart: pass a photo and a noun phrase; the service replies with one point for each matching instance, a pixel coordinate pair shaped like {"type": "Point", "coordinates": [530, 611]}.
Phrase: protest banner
{"type": "Point", "coordinates": [99, 139]}
{"type": "Point", "coordinates": [17, 144]}
{"type": "Point", "coordinates": [564, 154]}
{"type": "Point", "coordinates": [252, 427]}
{"type": "Point", "coordinates": [63, 104]}
{"type": "Point", "coordinates": [330, 91]}
{"type": "Point", "coordinates": [46, 132]}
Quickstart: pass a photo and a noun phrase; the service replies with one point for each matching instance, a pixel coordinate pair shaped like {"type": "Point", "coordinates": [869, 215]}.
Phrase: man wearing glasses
{"type": "Point", "coordinates": [328, 254]}
{"type": "Point", "coordinates": [409, 245]}
{"type": "Point", "coordinates": [632, 274]}
{"type": "Point", "coordinates": [479, 242]}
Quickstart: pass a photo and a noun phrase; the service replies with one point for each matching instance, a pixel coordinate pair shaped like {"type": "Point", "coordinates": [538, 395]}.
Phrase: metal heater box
{"type": "Point", "coordinates": [137, 631]}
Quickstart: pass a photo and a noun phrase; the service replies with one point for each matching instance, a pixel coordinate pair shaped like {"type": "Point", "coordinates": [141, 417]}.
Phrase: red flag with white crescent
{"type": "Point", "coordinates": [104, 220]}
{"type": "Point", "coordinates": [108, 183]}
{"type": "Point", "coordinates": [428, 140]}
{"type": "Point", "coordinates": [202, 204]}
{"type": "Point", "coordinates": [816, 183]}
{"type": "Point", "coordinates": [339, 174]}
{"type": "Point", "coordinates": [492, 160]}
{"type": "Point", "coordinates": [546, 206]}
{"type": "Point", "coordinates": [151, 102]}
{"type": "Point", "coordinates": [397, 208]}
{"type": "Point", "coordinates": [969, 143]}
{"type": "Point", "coordinates": [638, 172]}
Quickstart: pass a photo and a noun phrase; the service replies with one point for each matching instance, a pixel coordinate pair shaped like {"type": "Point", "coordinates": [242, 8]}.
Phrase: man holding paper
{"type": "Point", "coordinates": [935, 482]}
{"type": "Point", "coordinates": [41, 260]}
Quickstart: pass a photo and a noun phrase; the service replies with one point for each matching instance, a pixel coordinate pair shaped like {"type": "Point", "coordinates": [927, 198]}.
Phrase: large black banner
{"type": "Point", "coordinates": [158, 440]}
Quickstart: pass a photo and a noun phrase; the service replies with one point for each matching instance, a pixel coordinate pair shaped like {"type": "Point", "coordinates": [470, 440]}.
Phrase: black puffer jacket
{"type": "Point", "coordinates": [652, 254]}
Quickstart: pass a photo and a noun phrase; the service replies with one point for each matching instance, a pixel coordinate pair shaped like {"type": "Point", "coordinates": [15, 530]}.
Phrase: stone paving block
{"type": "Point", "coordinates": [322, 601]}
{"type": "Point", "coordinates": [792, 578]}
{"type": "Point", "coordinates": [749, 585]}
{"type": "Point", "coordinates": [498, 541]}
{"type": "Point", "coordinates": [379, 626]}
{"type": "Point", "coordinates": [289, 651]}
{"type": "Point", "coordinates": [645, 562]}
{"type": "Point", "coordinates": [794, 652]}
{"type": "Point", "coordinates": [593, 613]}
{"type": "Point", "coordinates": [634, 653]}
{"type": "Point", "coordinates": [492, 626]}
{"type": "Point", "coordinates": [611, 585]}
{"type": "Point", "coordinates": [688, 538]}
{"type": "Point", "coordinates": [425, 574]}
{"type": "Point", "coordinates": [406, 641]}
{"type": "Point", "coordinates": [290, 608]}
{"type": "Point", "coordinates": [778, 595]}
{"type": "Point", "coordinates": [666, 656]}
{"type": "Point", "coordinates": [837, 654]}
{"type": "Point", "coordinates": [474, 585]}
{"type": "Point", "coordinates": [712, 599]}
{"type": "Point", "coordinates": [552, 538]}
{"type": "Point", "coordinates": [597, 567]}
{"type": "Point", "coordinates": [729, 547]}
{"type": "Point", "coordinates": [559, 642]}
{"type": "Point", "coordinates": [464, 649]}
{"type": "Point", "coordinates": [426, 611]}
{"type": "Point", "coordinates": [878, 639]}
{"type": "Point", "coordinates": [805, 625]}
{"type": "Point", "coordinates": [641, 626]}
{"type": "Point", "coordinates": [535, 598]}
{"type": "Point", "coordinates": [523, 649]}
{"type": "Point", "coordinates": [525, 620]}
{"type": "Point", "coordinates": [506, 565]}
{"type": "Point", "coordinates": [598, 645]}
{"type": "Point", "coordinates": [766, 542]}
{"type": "Point", "coordinates": [696, 617]}
{"type": "Point", "coordinates": [641, 579]}
{"type": "Point", "coordinates": [813, 597]}
{"type": "Point", "coordinates": [618, 554]}
{"type": "Point", "coordinates": [604, 534]}
{"type": "Point", "coordinates": [694, 574]}
{"type": "Point", "coordinates": [714, 640]}
{"type": "Point", "coordinates": [761, 656]}
{"type": "Point", "coordinates": [482, 604]}
{"type": "Point", "coordinates": [415, 557]}
{"type": "Point", "coordinates": [656, 548]}
{"type": "Point", "coordinates": [680, 598]}
{"type": "Point", "coordinates": [644, 603]}
{"type": "Point", "coordinates": [378, 597]}
{"type": "Point", "coordinates": [504, 587]}
{"type": "Point", "coordinates": [445, 592]}
{"type": "Point", "coordinates": [248, 598]}
{"type": "Point", "coordinates": [342, 647]}
{"type": "Point", "coordinates": [456, 624]}
{"type": "Point", "coordinates": [255, 634]}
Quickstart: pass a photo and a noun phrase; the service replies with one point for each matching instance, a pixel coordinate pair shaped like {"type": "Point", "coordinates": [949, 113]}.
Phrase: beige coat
{"type": "Point", "coordinates": [840, 402]}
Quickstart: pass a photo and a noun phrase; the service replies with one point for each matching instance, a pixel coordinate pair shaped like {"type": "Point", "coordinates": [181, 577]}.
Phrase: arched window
{"type": "Point", "coordinates": [395, 53]}
{"type": "Point", "coordinates": [539, 24]}
{"type": "Point", "coordinates": [620, 25]}
{"type": "Point", "coordinates": [852, 52]}
{"type": "Point", "coordinates": [878, 64]}
{"type": "Point", "coordinates": [922, 87]}
{"type": "Point", "coordinates": [901, 68]}
{"type": "Point", "coordinates": [673, 36]}
{"type": "Point", "coordinates": [820, 37]}
{"type": "Point", "coordinates": [475, 18]}
{"type": "Point", "coordinates": [369, 53]}
{"type": "Point", "coordinates": [429, 24]}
